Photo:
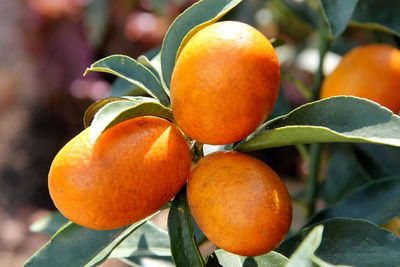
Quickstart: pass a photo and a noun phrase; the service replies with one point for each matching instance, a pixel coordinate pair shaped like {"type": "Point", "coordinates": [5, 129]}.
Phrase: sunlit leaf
{"type": "Point", "coordinates": [80, 246]}
{"type": "Point", "coordinates": [134, 72]}
{"type": "Point", "coordinates": [335, 119]}
{"type": "Point", "coordinates": [128, 108]}
{"type": "Point", "coordinates": [271, 259]}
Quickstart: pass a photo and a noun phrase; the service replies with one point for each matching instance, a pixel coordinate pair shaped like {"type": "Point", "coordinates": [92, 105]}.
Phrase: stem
{"type": "Point", "coordinates": [315, 150]}
{"type": "Point", "coordinates": [312, 182]}
{"type": "Point", "coordinates": [325, 44]}
{"type": "Point", "coordinates": [296, 82]}
{"type": "Point", "coordinates": [303, 153]}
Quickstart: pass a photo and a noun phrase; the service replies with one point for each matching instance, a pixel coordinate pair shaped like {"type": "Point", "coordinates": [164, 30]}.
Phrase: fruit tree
{"type": "Point", "coordinates": [182, 140]}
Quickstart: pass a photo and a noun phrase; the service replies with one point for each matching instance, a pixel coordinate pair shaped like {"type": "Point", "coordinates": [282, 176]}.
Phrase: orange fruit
{"type": "Point", "coordinates": [239, 203]}
{"type": "Point", "coordinates": [133, 169]}
{"type": "Point", "coordinates": [369, 71]}
{"type": "Point", "coordinates": [225, 83]}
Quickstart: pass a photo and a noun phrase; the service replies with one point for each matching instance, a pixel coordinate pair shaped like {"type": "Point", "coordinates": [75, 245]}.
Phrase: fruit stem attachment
{"type": "Point", "coordinates": [197, 151]}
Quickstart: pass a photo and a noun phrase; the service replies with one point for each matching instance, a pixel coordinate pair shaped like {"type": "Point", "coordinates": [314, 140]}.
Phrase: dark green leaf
{"type": "Point", "coordinates": [344, 174]}
{"type": "Point", "coordinates": [276, 42]}
{"type": "Point", "coordinates": [292, 16]}
{"type": "Point", "coordinates": [351, 242]}
{"type": "Point", "coordinates": [127, 108]}
{"type": "Point", "coordinates": [122, 87]}
{"type": "Point", "coordinates": [134, 72]}
{"type": "Point", "coordinates": [301, 9]}
{"type": "Point", "coordinates": [378, 14]}
{"type": "Point", "coordinates": [335, 119]}
{"type": "Point", "coordinates": [272, 259]}
{"type": "Point", "coordinates": [96, 20]}
{"type": "Point", "coordinates": [180, 227]}
{"type": "Point", "coordinates": [377, 202]}
{"type": "Point", "coordinates": [212, 261]}
{"type": "Point", "coordinates": [378, 160]}
{"type": "Point", "coordinates": [304, 255]}
{"type": "Point", "coordinates": [338, 14]}
{"type": "Point", "coordinates": [195, 17]}
{"type": "Point", "coordinates": [74, 245]}
{"type": "Point", "coordinates": [50, 224]}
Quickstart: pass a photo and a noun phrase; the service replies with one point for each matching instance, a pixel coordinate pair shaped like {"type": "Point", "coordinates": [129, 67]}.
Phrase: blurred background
{"type": "Point", "coordinates": [45, 46]}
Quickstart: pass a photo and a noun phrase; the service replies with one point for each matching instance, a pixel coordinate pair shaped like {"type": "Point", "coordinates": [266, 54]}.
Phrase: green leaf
{"type": "Point", "coordinates": [377, 202]}
{"type": "Point", "coordinates": [277, 42]}
{"type": "Point", "coordinates": [295, 17]}
{"type": "Point", "coordinates": [378, 15]}
{"type": "Point", "coordinates": [148, 242]}
{"type": "Point", "coordinates": [74, 245]}
{"type": "Point", "coordinates": [304, 255]}
{"type": "Point", "coordinates": [351, 242]}
{"type": "Point", "coordinates": [134, 72]}
{"type": "Point", "coordinates": [96, 21]}
{"type": "Point", "coordinates": [95, 107]}
{"type": "Point", "coordinates": [344, 174]}
{"type": "Point", "coordinates": [271, 259]}
{"type": "Point", "coordinates": [153, 64]}
{"type": "Point", "coordinates": [150, 261]}
{"type": "Point", "coordinates": [180, 227]}
{"type": "Point", "coordinates": [50, 224]}
{"type": "Point", "coordinates": [378, 160]}
{"type": "Point", "coordinates": [335, 119]}
{"type": "Point", "coordinates": [185, 25]}
{"type": "Point", "coordinates": [115, 112]}
{"type": "Point", "coordinates": [122, 87]}
{"type": "Point", "coordinates": [338, 14]}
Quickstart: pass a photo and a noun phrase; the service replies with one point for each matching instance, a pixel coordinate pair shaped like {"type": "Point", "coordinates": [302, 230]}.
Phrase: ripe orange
{"type": "Point", "coordinates": [132, 170]}
{"type": "Point", "coordinates": [239, 203]}
{"type": "Point", "coordinates": [370, 71]}
{"type": "Point", "coordinates": [225, 83]}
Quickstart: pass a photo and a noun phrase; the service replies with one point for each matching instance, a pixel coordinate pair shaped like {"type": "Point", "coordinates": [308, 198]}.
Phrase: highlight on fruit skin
{"type": "Point", "coordinates": [225, 83]}
{"type": "Point", "coordinates": [239, 203]}
{"type": "Point", "coordinates": [133, 169]}
{"type": "Point", "coordinates": [369, 71]}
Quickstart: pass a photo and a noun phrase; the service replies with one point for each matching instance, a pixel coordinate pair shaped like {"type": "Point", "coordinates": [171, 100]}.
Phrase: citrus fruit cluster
{"type": "Point", "coordinates": [224, 85]}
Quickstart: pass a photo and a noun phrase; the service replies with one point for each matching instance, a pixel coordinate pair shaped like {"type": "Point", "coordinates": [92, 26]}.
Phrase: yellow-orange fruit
{"type": "Point", "coordinates": [369, 71]}
{"type": "Point", "coordinates": [133, 169]}
{"type": "Point", "coordinates": [239, 203]}
{"type": "Point", "coordinates": [225, 83]}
